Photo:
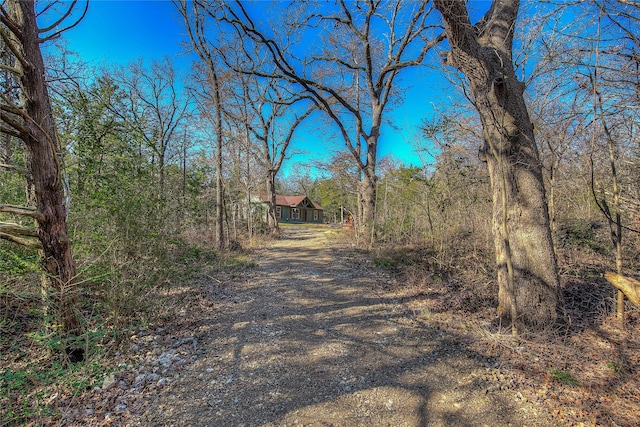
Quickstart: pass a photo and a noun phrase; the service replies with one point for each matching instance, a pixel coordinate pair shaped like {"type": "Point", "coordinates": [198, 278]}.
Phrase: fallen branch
{"type": "Point", "coordinates": [629, 286]}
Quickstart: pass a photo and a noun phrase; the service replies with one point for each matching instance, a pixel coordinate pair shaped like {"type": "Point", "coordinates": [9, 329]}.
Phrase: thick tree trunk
{"type": "Point", "coordinates": [40, 141]}
{"type": "Point", "coordinates": [368, 203]}
{"type": "Point", "coordinates": [526, 263]}
{"type": "Point", "coordinates": [368, 190]}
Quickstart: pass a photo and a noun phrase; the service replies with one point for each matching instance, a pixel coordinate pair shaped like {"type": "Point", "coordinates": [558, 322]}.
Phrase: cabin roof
{"type": "Point", "coordinates": [291, 201]}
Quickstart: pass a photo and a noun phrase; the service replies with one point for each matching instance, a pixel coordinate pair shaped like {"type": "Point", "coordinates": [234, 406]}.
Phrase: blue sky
{"type": "Point", "coordinates": [121, 31]}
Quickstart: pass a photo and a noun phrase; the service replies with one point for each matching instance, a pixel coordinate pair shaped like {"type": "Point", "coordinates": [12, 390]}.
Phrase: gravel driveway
{"type": "Point", "coordinates": [310, 338]}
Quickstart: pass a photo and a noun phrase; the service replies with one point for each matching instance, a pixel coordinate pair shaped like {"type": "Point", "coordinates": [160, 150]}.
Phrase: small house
{"type": "Point", "coordinates": [293, 209]}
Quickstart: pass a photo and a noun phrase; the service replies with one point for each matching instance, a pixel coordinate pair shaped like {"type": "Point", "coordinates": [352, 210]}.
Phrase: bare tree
{"type": "Point", "coordinates": [272, 130]}
{"type": "Point", "coordinates": [266, 102]}
{"type": "Point", "coordinates": [245, 168]}
{"type": "Point", "coordinates": [208, 58]}
{"type": "Point", "coordinates": [31, 121]}
{"type": "Point", "coordinates": [155, 111]}
{"type": "Point", "coordinates": [527, 270]}
{"type": "Point", "coordinates": [365, 45]}
{"type": "Point", "coordinates": [613, 85]}
{"type": "Point", "coordinates": [602, 76]}
{"type": "Point", "coordinates": [208, 97]}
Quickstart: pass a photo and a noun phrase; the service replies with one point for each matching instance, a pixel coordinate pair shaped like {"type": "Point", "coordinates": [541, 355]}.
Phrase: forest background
{"type": "Point", "coordinates": [160, 156]}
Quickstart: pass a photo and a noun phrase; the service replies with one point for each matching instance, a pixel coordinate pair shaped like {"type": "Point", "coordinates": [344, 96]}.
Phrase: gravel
{"type": "Point", "coordinates": [308, 338]}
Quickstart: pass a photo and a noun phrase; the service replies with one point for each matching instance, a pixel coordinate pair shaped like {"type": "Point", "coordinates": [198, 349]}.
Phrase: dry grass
{"type": "Point", "coordinates": [119, 290]}
{"type": "Point", "coordinates": [583, 370]}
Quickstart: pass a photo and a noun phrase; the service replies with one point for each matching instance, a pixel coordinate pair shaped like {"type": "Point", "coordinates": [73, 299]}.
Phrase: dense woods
{"type": "Point", "coordinates": [114, 178]}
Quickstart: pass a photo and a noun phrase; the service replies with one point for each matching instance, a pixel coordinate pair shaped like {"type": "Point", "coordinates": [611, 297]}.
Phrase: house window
{"type": "Point", "coordinates": [315, 215]}
{"type": "Point", "coordinates": [295, 213]}
{"type": "Point", "coordinates": [278, 211]}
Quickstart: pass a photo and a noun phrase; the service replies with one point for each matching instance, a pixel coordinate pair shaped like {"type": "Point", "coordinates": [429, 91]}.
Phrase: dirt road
{"type": "Point", "coordinates": [310, 339]}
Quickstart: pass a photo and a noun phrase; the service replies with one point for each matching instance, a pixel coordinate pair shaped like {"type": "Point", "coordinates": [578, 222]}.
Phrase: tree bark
{"type": "Point", "coordinates": [220, 240]}
{"type": "Point", "coordinates": [368, 203]}
{"type": "Point", "coordinates": [272, 220]}
{"type": "Point", "coordinates": [526, 264]}
{"type": "Point", "coordinates": [39, 136]}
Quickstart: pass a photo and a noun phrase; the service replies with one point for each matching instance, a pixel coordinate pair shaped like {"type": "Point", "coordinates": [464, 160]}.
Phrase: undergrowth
{"type": "Point", "coordinates": [583, 369]}
{"type": "Point", "coordinates": [120, 289]}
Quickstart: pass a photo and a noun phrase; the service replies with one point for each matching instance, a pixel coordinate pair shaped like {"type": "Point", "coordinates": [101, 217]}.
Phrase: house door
{"type": "Point", "coordinates": [304, 215]}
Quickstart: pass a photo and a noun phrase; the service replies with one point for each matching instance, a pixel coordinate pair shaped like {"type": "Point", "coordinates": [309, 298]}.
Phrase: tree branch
{"type": "Point", "coordinates": [59, 21]}
{"type": "Point", "coordinates": [8, 22]}
{"type": "Point", "coordinates": [19, 210]}
{"type": "Point", "coordinates": [11, 69]}
{"type": "Point", "coordinates": [24, 242]}
{"type": "Point", "coordinates": [8, 42]}
{"type": "Point", "coordinates": [13, 168]}
{"type": "Point", "coordinates": [17, 229]}
{"type": "Point", "coordinates": [456, 18]}
{"type": "Point", "coordinates": [8, 131]}
{"type": "Point", "coordinates": [21, 131]}
{"type": "Point", "coordinates": [289, 137]}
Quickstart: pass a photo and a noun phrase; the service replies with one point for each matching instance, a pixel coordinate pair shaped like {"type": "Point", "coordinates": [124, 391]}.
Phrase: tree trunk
{"type": "Point", "coordinates": [40, 141]}
{"type": "Point", "coordinates": [368, 192]}
{"type": "Point", "coordinates": [272, 220]}
{"type": "Point", "coordinates": [220, 241]}
{"type": "Point", "coordinates": [526, 264]}
{"type": "Point", "coordinates": [248, 183]}
{"type": "Point", "coordinates": [368, 203]}
{"type": "Point", "coordinates": [614, 219]}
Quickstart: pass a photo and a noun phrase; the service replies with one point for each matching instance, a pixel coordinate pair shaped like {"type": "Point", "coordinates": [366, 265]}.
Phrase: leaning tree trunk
{"type": "Point", "coordinates": [39, 136]}
{"type": "Point", "coordinates": [526, 263]}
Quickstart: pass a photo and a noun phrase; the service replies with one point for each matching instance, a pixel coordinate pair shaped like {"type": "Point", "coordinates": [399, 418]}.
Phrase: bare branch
{"type": "Point", "coordinates": [21, 130]}
{"type": "Point", "coordinates": [10, 69]}
{"type": "Point", "coordinates": [8, 22]}
{"type": "Point", "coordinates": [59, 21]}
{"type": "Point", "coordinates": [34, 244]}
{"type": "Point", "coordinates": [13, 168]}
{"type": "Point", "coordinates": [17, 229]}
{"type": "Point", "coordinates": [289, 137]}
{"type": "Point", "coordinates": [19, 210]}
{"type": "Point", "coordinates": [5, 130]}
{"type": "Point", "coordinates": [14, 50]}
{"type": "Point", "coordinates": [25, 131]}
